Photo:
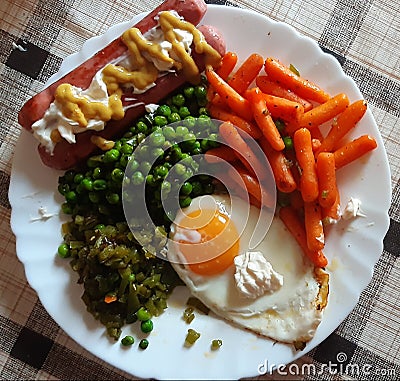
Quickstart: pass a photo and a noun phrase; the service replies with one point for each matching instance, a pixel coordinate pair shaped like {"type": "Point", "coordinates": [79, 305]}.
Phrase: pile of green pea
{"type": "Point", "coordinates": [100, 246]}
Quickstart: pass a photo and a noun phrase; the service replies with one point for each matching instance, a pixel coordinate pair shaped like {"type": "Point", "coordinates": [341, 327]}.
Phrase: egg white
{"type": "Point", "coordinates": [290, 314]}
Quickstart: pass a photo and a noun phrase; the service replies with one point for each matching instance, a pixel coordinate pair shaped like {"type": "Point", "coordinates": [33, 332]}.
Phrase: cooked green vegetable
{"type": "Point", "coordinates": [191, 337]}
{"type": "Point", "coordinates": [127, 341]}
{"type": "Point", "coordinates": [146, 326]}
{"type": "Point", "coordinates": [216, 344]}
{"type": "Point", "coordinates": [143, 344]}
{"type": "Point", "coordinates": [124, 282]}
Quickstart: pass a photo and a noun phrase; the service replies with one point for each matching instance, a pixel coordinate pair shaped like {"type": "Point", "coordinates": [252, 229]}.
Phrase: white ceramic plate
{"type": "Point", "coordinates": [352, 248]}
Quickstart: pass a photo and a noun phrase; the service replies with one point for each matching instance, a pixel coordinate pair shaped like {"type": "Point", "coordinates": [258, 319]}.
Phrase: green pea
{"type": "Point", "coordinates": [157, 139]}
{"type": "Point", "coordinates": [66, 208]}
{"type": "Point", "coordinates": [150, 180]}
{"type": "Point", "coordinates": [197, 188]}
{"type": "Point", "coordinates": [63, 250]}
{"type": "Point", "coordinates": [180, 169]}
{"type": "Point", "coordinates": [71, 196]}
{"type": "Point", "coordinates": [117, 145]}
{"type": "Point", "coordinates": [169, 132]}
{"type": "Point", "coordinates": [288, 142]}
{"type": "Point", "coordinates": [204, 122]}
{"type": "Point", "coordinates": [200, 93]}
{"type": "Point", "coordinates": [142, 314]}
{"type": "Point", "coordinates": [87, 184]}
{"type": "Point", "coordinates": [197, 151]}
{"type": "Point", "coordinates": [145, 167]}
{"type": "Point", "coordinates": [160, 120]}
{"type": "Point", "coordinates": [143, 344]}
{"type": "Point", "coordinates": [203, 111]}
{"type": "Point", "coordinates": [137, 178]}
{"type": "Point", "coordinates": [127, 341]}
{"type": "Point", "coordinates": [157, 152]}
{"type": "Point", "coordinates": [184, 112]}
{"type": "Point", "coordinates": [69, 176]}
{"type": "Point", "coordinates": [63, 189]}
{"type": "Point", "coordinates": [126, 149]}
{"type": "Point", "coordinates": [141, 127]}
{"type": "Point", "coordinates": [174, 117]}
{"type": "Point", "coordinates": [78, 178]}
{"type": "Point", "coordinates": [117, 175]}
{"type": "Point", "coordinates": [146, 326]}
{"type": "Point", "coordinates": [163, 110]}
{"type": "Point", "coordinates": [133, 165]}
{"type": "Point", "coordinates": [185, 202]}
{"type": "Point", "coordinates": [99, 185]}
{"type": "Point", "coordinates": [97, 173]}
{"type": "Point", "coordinates": [186, 188]}
{"type": "Point", "coordinates": [94, 197]}
{"type": "Point", "coordinates": [280, 125]}
{"type": "Point", "coordinates": [208, 188]}
{"type": "Point", "coordinates": [181, 131]}
{"type": "Point", "coordinates": [188, 92]}
{"type": "Point", "coordinates": [166, 187]}
{"type": "Point", "coordinates": [178, 100]}
{"type": "Point", "coordinates": [112, 198]}
{"type": "Point", "coordinates": [161, 171]}
{"type": "Point", "coordinates": [213, 143]}
{"type": "Point", "coordinates": [111, 155]}
{"type": "Point", "coordinates": [190, 121]}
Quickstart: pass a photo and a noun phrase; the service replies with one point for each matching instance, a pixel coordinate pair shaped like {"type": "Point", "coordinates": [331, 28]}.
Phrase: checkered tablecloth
{"type": "Point", "coordinates": [35, 36]}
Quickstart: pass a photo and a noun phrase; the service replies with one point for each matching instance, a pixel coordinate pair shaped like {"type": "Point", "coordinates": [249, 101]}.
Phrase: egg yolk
{"type": "Point", "coordinates": [218, 245]}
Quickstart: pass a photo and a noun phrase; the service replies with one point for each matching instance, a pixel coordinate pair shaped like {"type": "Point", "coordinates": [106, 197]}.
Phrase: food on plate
{"type": "Point", "coordinates": [105, 93]}
{"type": "Point", "coordinates": [140, 96]}
{"type": "Point", "coordinates": [270, 289]}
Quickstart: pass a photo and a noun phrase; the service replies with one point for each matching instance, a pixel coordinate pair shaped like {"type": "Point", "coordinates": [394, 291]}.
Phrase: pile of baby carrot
{"type": "Point", "coordinates": [283, 112]}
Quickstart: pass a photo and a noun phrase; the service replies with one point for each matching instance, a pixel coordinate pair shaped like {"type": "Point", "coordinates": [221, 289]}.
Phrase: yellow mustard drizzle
{"type": "Point", "coordinates": [80, 108]}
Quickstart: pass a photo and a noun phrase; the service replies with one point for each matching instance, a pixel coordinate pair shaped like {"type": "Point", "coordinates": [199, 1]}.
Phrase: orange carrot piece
{"type": "Point", "coordinates": [224, 153]}
{"type": "Point", "coordinates": [281, 108]}
{"type": "Point", "coordinates": [227, 116]}
{"type": "Point", "coordinates": [228, 63]}
{"type": "Point", "coordinates": [326, 173]}
{"type": "Point", "coordinates": [313, 224]}
{"type": "Point", "coordinates": [110, 298]}
{"type": "Point", "coordinates": [232, 137]}
{"type": "Point", "coordinates": [285, 77]}
{"type": "Point", "coordinates": [264, 120]}
{"type": "Point", "coordinates": [293, 223]}
{"type": "Point", "coordinates": [325, 111]}
{"type": "Point", "coordinates": [305, 158]}
{"type": "Point", "coordinates": [231, 97]}
{"type": "Point", "coordinates": [270, 87]}
{"type": "Point", "coordinates": [345, 122]}
{"type": "Point", "coordinates": [254, 188]}
{"type": "Point", "coordinates": [246, 73]}
{"type": "Point", "coordinates": [333, 212]}
{"type": "Point", "coordinates": [354, 150]}
{"type": "Point", "coordinates": [280, 166]}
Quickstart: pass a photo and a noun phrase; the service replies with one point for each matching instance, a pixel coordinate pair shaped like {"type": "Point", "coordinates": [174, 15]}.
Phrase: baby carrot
{"type": "Point", "coordinates": [326, 179]}
{"type": "Point", "coordinates": [264, 120]}
{"type": "Point", "coordinates": [285, 77]}
{"type": "Point", "coordinates": [230, 96]}
{"type": "Point", "coordinates": [215, 155]}
{"type": "Point", "coordinates": [325, 111]}
{"type": "Point", "coordinates": [293, 223]}
{"type": "Point", "coordinates": [313, 225]}
{"type": "Point", "coordinates": [281, 108]}
{"type": "Point", "coordinates": [306, 161]}
{"type": "Point", "coordinates": [227, 116]}
{"type": "Point", "coordinates": [346, 121]}
{"type": "Point", "coordinates": [270, 87]}
{"type": "Point", "coordinates": [333, 212]}
{"type": "Point", "coordinates": [232, 137]}
{"type": "Point", "coordinates": [246, 73]}
{"type": "Point", "coordinates": [254, 188]}
{"type": "Point", "coordinates": [280, 166]}
{"type": "Point", "coordinates": [353, 150]}
{"type": "Point", "coordinates": [228, 63]}
{"type": "Point", "coordinates": [296, 201]}
{"type": "Point", "coordinates": [316, 143]}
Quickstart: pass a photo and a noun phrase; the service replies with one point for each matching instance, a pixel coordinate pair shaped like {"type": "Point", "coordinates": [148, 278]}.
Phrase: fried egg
{"type": "Point", "coordinates": [210, 250]}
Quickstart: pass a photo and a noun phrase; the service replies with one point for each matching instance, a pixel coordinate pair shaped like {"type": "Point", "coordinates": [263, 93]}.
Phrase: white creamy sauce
{"type": "Point", "coordinates": [254, 275]}
{"type": "Point", "coordinates": [54, 119]}
{"type": "Point", "coordinates": [352, 209]}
